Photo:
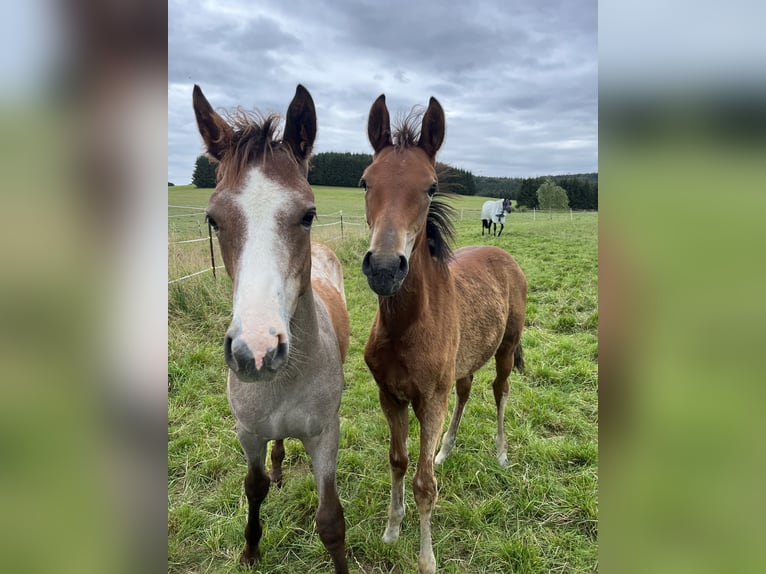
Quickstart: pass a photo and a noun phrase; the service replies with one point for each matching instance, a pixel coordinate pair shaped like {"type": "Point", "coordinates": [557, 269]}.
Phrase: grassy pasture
{"type": "Point", "coordinates": [538, 515]}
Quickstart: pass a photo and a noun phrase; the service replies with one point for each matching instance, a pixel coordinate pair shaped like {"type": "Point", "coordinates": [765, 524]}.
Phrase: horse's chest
{"type": "Point", "coordinates": [404, 367]}
{"type": "Point", "coordinates": [276, 415]}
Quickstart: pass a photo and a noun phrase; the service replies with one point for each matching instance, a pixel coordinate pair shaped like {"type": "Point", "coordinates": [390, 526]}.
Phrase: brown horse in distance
{"type": "Point", "coordinates": [437, 319]}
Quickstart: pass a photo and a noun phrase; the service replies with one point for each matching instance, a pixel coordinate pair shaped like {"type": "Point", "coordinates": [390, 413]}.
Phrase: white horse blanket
{"type": "Point", "coordinates": [493, 211]}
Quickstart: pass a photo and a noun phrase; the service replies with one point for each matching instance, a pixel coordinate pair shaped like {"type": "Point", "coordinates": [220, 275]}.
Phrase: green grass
{"type": "Point", "coordinates": [538, 515]}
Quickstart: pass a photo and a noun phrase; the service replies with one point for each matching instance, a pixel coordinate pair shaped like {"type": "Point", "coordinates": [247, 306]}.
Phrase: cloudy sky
{"type": "Point", "coordinates": [518, 80]}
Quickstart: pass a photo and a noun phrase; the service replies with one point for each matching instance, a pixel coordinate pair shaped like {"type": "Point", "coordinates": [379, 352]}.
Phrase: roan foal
{"type": "Point", "coordinates": [289, 332]}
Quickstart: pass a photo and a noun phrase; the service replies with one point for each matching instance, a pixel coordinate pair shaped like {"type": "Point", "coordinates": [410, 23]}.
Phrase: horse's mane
{"type": "Point", "coordinates": [440, 229]}
{"type": "Point", "coordinates": [253, 136]}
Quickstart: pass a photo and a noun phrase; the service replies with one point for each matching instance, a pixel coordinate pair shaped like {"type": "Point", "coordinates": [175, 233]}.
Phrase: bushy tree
{"type": "Point", "coordinates": [204, 172]}
{"type": "Point", "coordinates": [551, 196]}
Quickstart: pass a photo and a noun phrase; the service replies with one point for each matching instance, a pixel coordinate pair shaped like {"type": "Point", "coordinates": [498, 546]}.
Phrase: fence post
{"type": "Point", "coordinates": [341, 225]}
{"type": "Point", "coordinates": [570, 215]}
{"type": "Point", "coordinates": [534, 214]}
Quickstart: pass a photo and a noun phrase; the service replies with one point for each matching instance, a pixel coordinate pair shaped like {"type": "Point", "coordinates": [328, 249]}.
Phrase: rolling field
{"type": "Point", "coordinates": [537, 515]}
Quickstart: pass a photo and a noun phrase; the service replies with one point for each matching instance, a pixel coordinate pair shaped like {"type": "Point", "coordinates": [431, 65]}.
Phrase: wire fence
{"type": "Point", "coordinates": [187, 260]}
{"type": "Point", "coordinates": [185, 229]}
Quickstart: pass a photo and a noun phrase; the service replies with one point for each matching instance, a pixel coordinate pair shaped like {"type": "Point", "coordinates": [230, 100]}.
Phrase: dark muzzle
{"type": "Point", "coordinates": [385, 273]}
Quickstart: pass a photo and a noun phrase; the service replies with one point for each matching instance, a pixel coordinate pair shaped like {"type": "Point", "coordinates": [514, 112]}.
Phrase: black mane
{"type": "Point", "coordinates": [440, 229]}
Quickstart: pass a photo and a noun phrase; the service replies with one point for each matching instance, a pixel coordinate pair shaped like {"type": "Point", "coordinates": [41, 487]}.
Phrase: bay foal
{"type": "Point", "coordinates": [437, 319]}
{"type": "Point", "coordinates": [289, 332]}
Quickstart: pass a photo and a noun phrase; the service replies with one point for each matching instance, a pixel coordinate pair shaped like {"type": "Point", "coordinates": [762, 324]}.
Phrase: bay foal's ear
{"type": "Point", "coordinates": [432, 131]}
{"type": "Point", "coordinates": [379, 124]}
{"type": "Point", "coordinates": [301, 124]}
{"type": "Point", "coordinates": [215, 132]}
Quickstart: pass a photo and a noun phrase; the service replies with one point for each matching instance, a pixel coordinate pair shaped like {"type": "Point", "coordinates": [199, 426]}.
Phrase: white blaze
{"type": "Point", "coordinates": [263, 302]}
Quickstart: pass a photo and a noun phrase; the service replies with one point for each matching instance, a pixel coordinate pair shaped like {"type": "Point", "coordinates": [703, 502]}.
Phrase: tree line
{"type": "Point", "coordinates": [345, 170]}
{"type": "Point", "coordinates": [581, 190]}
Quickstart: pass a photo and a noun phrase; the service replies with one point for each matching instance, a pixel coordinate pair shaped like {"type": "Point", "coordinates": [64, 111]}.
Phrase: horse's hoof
{"type": "Point", "coordinates": [427, 564]}
{"type": "Point", "coordinates": [391, 535]}
{"type": "Point", "coordinates": [503, 460]}
{"type": "Point", "coordinates": [276, 478]}
{"type": "Point", "coordinates": [249, 557]}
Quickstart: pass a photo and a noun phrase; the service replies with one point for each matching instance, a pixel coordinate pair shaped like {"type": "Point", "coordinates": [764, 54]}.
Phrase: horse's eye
{"type": "Point", "coordinates": [363, 184]}
{"type": "Point", "coordinates": [309, 217]}
{"type": "Point", "coordinates": [211, 222]}
{"type": "Point", "coordinates": [432, 189]}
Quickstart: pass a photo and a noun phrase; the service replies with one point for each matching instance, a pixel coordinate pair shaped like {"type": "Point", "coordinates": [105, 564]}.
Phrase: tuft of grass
{"type": "Point", "coordinates": [537, 515]}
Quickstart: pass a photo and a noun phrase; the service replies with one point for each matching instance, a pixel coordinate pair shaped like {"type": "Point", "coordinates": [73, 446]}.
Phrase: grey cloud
{"type": "Point", "coordinates": [514, 79]}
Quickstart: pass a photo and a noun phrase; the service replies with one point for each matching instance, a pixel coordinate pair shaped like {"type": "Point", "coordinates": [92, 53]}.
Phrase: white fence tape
{"type": "Point", "coordinates": [193, 274]}
{"type": "Point", "coordinates": [191, 240]}
{"type": "Point", "coordinates": [344, 220]}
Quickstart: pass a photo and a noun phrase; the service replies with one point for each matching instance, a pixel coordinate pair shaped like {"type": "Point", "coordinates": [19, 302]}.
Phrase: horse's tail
{"type": "Point", "coordinates": [518, 358]}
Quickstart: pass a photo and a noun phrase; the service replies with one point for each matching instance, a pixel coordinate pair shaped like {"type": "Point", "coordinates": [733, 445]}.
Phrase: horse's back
{"type": "Point", "coordinates": [488, 210]}
{"type": "Point", "coordinates": [327, 282]}
{"type": "Point", "coordinates": [492, 295]}
{"type": "Point", "coordinates": [487, 261]}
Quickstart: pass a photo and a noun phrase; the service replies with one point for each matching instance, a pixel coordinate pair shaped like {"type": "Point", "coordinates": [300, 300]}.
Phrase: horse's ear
{"type": "Point", "coordinates": [215, 132]}
{"type": "Point", "coordinates": [379, 124]}
{"type": "Point", "coordinates": [432, 131]}
{"type": "Point", "coordinates": [301, 124]}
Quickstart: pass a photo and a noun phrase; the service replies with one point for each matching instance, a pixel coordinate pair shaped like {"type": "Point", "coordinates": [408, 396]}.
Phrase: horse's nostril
{"type": "Point", "coordinates": [403, 265]}
{"type": "Point", "coordinates": [366, 269]}
{"type": "Point", "coordinates": [280, 357]}
{"type": "Point", "coordinates": [227, 354]}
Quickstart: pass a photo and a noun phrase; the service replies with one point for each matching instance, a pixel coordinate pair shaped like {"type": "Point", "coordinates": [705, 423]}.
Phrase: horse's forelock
{"type": "Point", "coordinates": [254, 136]}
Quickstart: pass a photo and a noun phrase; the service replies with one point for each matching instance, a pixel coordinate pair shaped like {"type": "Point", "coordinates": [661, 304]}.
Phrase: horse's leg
{"type": "Point", "coordinates": [256, 488]}
{"type": "Point", "coordinates": [331, 525]}
{"type": "Point", "coordinates": [431, 413]}
{"type": "Point", "coordinates": [503, 366]}
{"type": "Point", "coordinates": [277, 456]}
{"type": "Point", "coordinates": [397, 417]}
{"type": "Point", "coordinates": [502, 226]}
{"type": "Point", "coordinates": [462, 392]}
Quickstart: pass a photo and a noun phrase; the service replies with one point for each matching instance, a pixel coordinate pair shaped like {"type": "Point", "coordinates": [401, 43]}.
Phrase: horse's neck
{"type": "Point", "coordinates": [427, 284]}
{"type": "Point", "coordinates": [304, 323]}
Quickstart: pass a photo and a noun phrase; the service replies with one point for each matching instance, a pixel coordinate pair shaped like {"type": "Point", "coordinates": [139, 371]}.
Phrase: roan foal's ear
{"type": "Point", "coordinates": [301, 124]}
{"type": "Point", "coordinates": [432, 131]}
{"type": "Point", "coordinates": [379, 124]}
{"type": "Point", "coordinates": [215, 132]}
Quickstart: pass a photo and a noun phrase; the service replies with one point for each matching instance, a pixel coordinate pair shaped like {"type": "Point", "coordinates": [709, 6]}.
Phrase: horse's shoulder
{"type": "Point", "coordinates": [327, 282]}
